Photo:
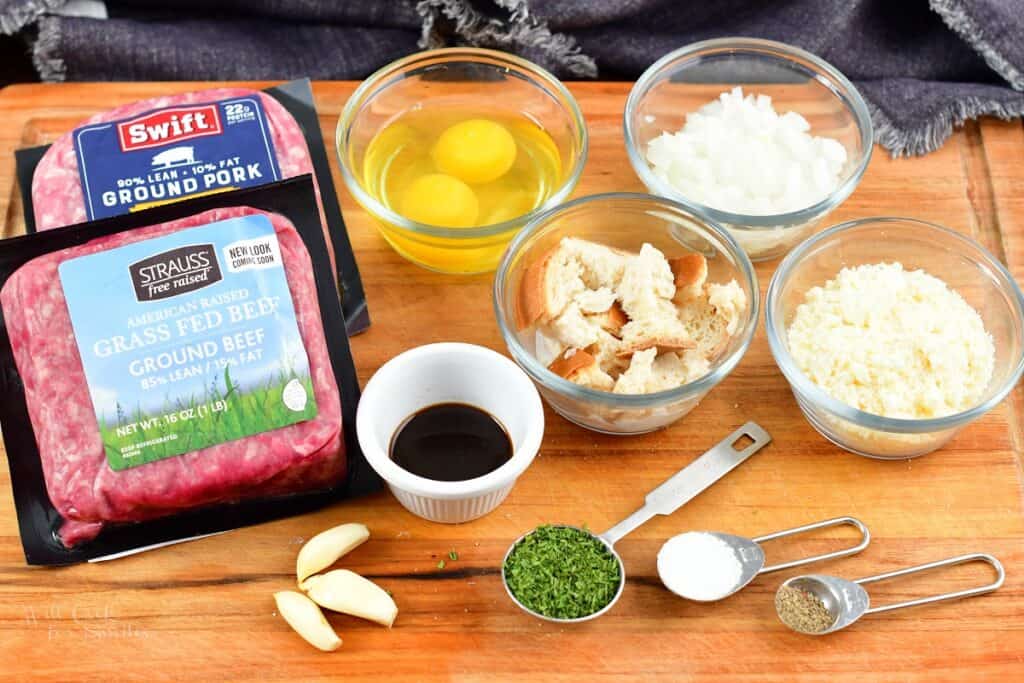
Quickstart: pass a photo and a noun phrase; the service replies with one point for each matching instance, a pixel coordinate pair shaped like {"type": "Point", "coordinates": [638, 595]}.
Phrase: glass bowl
{"type": "Point", "coordinates": [685, 80]}
{"type": "Point", "coordinates": [959, 261]}
{"type": "Point", "coordinates": [625, 221]}
{"type": "Point", "coordinates": [458, 78]}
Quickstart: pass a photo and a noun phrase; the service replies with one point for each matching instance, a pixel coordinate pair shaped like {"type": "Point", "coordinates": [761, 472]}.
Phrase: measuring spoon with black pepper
{"type": "Point", "coordinates": [671, 495]}
{"type": "Point", "coordinates": [842, 602]}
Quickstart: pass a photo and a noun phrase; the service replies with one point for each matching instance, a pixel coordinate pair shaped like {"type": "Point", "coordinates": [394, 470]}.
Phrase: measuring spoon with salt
{"type": "Point", "coordinates": [846, 601]}
{"type": "Point", "coordinates": [671, 495]}
{"type": "Point", "coordinates": [747, 553]}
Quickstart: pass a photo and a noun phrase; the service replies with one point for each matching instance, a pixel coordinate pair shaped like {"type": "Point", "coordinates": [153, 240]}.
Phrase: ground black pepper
{"type": "Point", "coordinates": [802, 611]}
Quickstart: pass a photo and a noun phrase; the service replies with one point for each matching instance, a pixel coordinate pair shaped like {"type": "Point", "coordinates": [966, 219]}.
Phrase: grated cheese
{"type": "Point", "coordinates": [893, 342]}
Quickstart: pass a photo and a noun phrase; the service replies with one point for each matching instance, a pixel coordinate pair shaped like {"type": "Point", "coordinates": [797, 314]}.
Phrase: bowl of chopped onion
{"type": "Point", "coordinates": [761, 137]}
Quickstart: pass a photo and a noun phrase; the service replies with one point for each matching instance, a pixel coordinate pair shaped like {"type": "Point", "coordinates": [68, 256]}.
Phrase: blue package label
{"type": "Point", "coordinates": [166, 155]}
{"type": "Point", "coordinates": [188, 340]}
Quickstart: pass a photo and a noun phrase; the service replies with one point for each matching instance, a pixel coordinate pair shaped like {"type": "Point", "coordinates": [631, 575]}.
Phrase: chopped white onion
{"type": "Point", "coordinates": [738, 154]}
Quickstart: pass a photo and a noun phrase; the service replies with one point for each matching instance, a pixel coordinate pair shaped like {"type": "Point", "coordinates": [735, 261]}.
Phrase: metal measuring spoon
{"type": "Point", "coordinates": [847, 601]}
{"type": "Point", "coordinates": [677, 490]}
{"type": "Point", "coordinates": [752, 558]}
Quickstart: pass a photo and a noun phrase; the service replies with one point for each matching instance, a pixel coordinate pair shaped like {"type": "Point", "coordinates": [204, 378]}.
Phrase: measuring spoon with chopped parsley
{"type": "Point", "coordinates": [562, 573]}
{"type": "Point", "coordinates": [567, 574]}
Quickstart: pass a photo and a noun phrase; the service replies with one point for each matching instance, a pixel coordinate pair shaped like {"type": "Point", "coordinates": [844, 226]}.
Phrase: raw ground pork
{"type": "Point", "coordinates": [57, 197]}
{"type": "Point", "coordinates": [83, 488]}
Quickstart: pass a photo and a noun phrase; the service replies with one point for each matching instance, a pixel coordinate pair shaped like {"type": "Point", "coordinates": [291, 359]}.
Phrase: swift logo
{"type": "Point", "coordinates": [159, 128]}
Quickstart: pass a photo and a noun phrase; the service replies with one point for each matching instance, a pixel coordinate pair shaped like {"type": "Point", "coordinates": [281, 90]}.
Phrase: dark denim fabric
{"type": "Point", "coordinates": [923, 65]}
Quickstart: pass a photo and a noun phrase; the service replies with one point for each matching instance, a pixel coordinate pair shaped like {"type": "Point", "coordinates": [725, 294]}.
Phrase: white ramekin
{"type": "Point", "coordinates": [443, 373]}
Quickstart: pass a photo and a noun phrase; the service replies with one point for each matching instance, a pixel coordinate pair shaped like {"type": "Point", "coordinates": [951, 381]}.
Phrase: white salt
{"type": "Point", "coordinates": [738, 154]}
{"type": "Point", "coordinates": [699, 566]}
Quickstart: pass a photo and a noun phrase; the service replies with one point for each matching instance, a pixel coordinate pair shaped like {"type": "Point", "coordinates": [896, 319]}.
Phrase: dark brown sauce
{"type": "Point", "coordinates": [451, 442]}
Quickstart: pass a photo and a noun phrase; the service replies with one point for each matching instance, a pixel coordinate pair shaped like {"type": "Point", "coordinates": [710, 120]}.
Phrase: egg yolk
{"type": "Point", "coordinates": [475, 151]}
{"type": "Point", "coordinates": [439, 199]}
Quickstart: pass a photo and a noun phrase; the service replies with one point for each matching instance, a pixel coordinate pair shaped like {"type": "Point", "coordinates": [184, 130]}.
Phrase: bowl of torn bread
{"type": "Point", "coordinates": [625, 309]}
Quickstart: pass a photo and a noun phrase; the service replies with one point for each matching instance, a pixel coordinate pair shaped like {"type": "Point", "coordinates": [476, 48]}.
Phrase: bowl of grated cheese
{"type": "Point", "coordinates": [894, 333]}
{"type": "Point", "coordinates": [763, 138]}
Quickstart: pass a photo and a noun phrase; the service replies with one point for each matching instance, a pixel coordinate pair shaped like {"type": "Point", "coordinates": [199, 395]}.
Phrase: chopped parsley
{"type": "Point", "coordinates": [562, 572]}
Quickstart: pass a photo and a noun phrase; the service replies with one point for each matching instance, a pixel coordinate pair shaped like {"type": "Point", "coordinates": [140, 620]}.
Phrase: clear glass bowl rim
{"type": "Point", "coordinates": [447, 54]}
{"type": "Point", "coordinates": [564, 387]}
{"type": "Point", "coordinates": [817, 396]}
{"type": "Point", "coordinates": [777, 50]}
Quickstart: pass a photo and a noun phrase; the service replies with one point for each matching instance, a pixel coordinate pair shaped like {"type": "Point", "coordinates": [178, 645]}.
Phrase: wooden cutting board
{"type": "Point", "coordinates": [203, 610]}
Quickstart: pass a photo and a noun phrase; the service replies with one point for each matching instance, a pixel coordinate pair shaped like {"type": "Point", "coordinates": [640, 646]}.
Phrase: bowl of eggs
{"type": "Point", "coordinates": [453, 151]}
{"type": "Point", "coordinates": [761, 137]}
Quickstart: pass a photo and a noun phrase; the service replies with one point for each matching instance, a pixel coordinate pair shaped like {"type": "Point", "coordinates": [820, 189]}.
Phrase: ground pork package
{"type": "Point", "coordinates": [164, 149]}
{"type": "Point", "coordinates": [175, 372]}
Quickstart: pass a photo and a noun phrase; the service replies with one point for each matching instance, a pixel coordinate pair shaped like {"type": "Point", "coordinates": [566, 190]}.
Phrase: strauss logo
{"type": "Point", "coordinates": [159, 128]}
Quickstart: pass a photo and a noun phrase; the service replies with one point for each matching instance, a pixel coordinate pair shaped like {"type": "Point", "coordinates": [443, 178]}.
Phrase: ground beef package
{"type": "Point", "coordinates": [164, 149]}
{"type": "Point", "coordinates": [174, 372]}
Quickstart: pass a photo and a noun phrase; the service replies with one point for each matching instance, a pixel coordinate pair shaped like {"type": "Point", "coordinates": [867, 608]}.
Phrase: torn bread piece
{"type": "Point", "coordinates": [706, 329]}
{"type": "Point", "coordinates": [638, 375]}
{"type": "Point", "coordinates": [595, 300]}
{"type": "Point", "coordinates": [729, 302]}
{"type": "Point", "coordinates": [712, 325]}
{"type": "Point", "coordinates": [690, 273]}
{"type": "Point", "coordinates": [574, 329]}
{"type": "Point", "coordinates": [601, 266]}
{"type": "Point", "coordinates": [580, 367]}
{"type": "Point", "coordinates": [660, 334]}
{"type": "Point", "coordinates": [650, 372]}
{"type": "Point", "coordinates": [695, 364]}
{"type": "Point", "coordinates": [548, 286]}
{"type": "Point", "coordinates": [575, 268]}
{"type": "Point", "coordinates": [646, 291]}
{"type": "Point", "coordinates": [612, 320]}
{"type": "Point", "coordinates": [647, 281]}
{"type": "Point", "coordinates": [606, 351]}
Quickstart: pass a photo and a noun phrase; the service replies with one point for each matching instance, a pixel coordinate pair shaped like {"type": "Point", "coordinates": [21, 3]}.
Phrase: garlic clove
{"type": "Point", "coordinates": [344, 591]}
{"type": "Point", "coordinates": [303, 615]}
{"type": "Point", "coordinates": [325, 548]}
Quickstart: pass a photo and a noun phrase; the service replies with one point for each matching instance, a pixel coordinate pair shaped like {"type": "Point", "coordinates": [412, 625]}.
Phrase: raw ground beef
{"type": "Point", "coordinates": [83, 488]}
{"type": "Point", "coordinates": [57, 197]}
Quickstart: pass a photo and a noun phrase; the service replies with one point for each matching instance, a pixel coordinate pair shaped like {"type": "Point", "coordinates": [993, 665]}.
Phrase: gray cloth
{"type": "Point", "coordinates": [924, 66]}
